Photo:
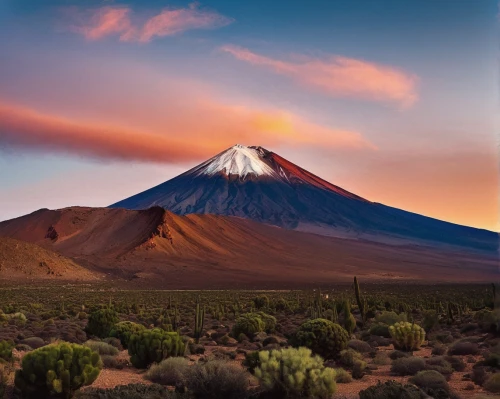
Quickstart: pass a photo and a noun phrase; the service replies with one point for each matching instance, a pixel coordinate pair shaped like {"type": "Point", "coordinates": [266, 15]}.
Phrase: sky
{"type": "Point", "coordinates": [396, 101]}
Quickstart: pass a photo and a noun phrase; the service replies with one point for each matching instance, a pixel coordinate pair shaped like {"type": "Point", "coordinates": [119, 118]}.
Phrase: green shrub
{"type": "Point", "coordinates": [124, 330]}
{"type": "Point", "coordinates": [380, 329]}
{"type": "Point", "coordinates": [252, 361]}
{"type": "Point", "coordinates": [492, 384]}
{"type": "Point", "coordinates": [347, 357]}
{"type": "Point", "coordinates": [407, 336]}
{"type": "Point", "coordinates": [381, 359]}
{"type": "Point", "coordinates": [216, 379]}
{"type": "Point", "coordinates": [111, 362]}
{"type": "Point", "coordinates": [390, 318]}
{"type": "Point", "coordinates": [358, 369]}
{"type": "Point", "coordinates": [101, 322]}
{"type": "Point", "coordinates": [407, 366]}
{"type": "Point", "coordinates": [152, 346]}
{"type": "Point", "coordinates": [391, 390]}
{"type": "Point", "coordinates": [57, 370]}
{"type": "Point", "coordinates": [322, 336]}
{"type": "Point", "coordinates": [269, 322]}
{"type": "Point", "coordinates": [101, 347]}
{"type": "Point", "coordinates": [261, 301]}
{"type": "Point", "coordinates": [432, 383]}
{"type": "Point", "coordinates": [281, 304]}
{"type": "Point", "coordinates": [6, 350]}
{"type": "Point", "coordinates": [248, 324]}
{"type": "Point", "coordinates": [342, 376]}
{"type": "Point", "coordinates": [295, 373]}
{"type": "Point", "coordinates": [170, 371]}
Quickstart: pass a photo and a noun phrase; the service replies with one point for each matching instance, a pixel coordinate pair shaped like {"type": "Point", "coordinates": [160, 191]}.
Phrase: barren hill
{"type": "Point", "coordinates": [158, 248]}
{"type": "Point", "coordinates": [21, 260]}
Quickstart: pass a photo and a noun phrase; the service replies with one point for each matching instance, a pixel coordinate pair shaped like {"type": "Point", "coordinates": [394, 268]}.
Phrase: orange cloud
{"type": "Point", "coordinates": [195, 132]}
{"type": "Point", "coordinates": [107, 21]}
{"type": "Point", "coordinates": [340, 76]}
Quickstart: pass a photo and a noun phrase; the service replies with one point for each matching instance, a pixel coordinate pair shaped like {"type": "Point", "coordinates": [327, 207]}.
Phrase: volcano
{"type": "Point", "coordinates": [257, 184]}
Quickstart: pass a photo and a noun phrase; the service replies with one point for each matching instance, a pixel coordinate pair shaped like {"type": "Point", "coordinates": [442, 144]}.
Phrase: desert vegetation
{"type": "Point", "coordinates": [370, 342]}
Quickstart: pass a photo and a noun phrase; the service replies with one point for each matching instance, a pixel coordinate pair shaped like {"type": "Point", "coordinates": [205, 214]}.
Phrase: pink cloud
{"type": "Point", "coordinates": [340, 76]}
{"type": "Point", "coordinates": [108, 21]}
{"type": "Point", "coordinates": [195, 131]}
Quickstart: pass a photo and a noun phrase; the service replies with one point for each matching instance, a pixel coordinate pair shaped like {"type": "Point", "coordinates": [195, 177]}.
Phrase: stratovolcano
{"type": "Point", "coordinates": [254, 183]}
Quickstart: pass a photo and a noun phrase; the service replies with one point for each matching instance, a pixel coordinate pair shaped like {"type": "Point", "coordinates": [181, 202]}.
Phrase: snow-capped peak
{"type": "Point", "coordinates": [238, 160]}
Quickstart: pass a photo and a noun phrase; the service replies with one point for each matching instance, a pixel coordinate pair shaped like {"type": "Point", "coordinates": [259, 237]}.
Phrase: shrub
{"type": "Point", "coordinates": [261, 301]}
{"type": "Point", "coordinates": [101, 347]}
{"type": "Point", "coordinates": [439, 350]}
{"type": "Point", "coordinates": [57, 369]}
{"type": "Point", "coordinates": [170, 371]}
{"type": "Point", "coordinates": [380, 330]}
{"type": "Point", "coordinates": [114, 342]}
{"type": "Point", "coordinates": [124, 330]}
{"type": "Point", "coordinates": [359, 346]}
{"type": "Point", "coordinates": [269, 322]}
{"type": "Point", "coordinates": [342, 376]}
{"type": "Point", "coordinates": [391, 390]}
{"type": "Point", "coordinates": [492, 384]}
{"type": "Point", "coordinates": [398, 355]}
{"type": "Point", "coordinates": [456, 362]}
{"type": "Point", "coordinates": [281, 304]}
{"type": "Point", "coordinates": [348, 357]}
{"type": "Point", "coordinates": [248, 324]}
{"type": "Point", "coordinates": [407, 336]}
{"type": "Point", "coordinates": [111, 362]}
{"type": "Point", "coordinates": [358, 369]}
{"type": "Point", "coordinates": [322, 336]}
{"type": "Point", "coordinates": [216, 379]}
{"type": "Point", "coordinates": [101, 322]}
{"type": "Point", "coordinates": [463, 349]}
{"type": "Point", "coordinates": [440, 365]}
{"type": "Point", "coordinates": [131, 391]}
{"type": "Point", "coordinates": [381, 359]}
{"type": "Point", "coordinates": [252, 361]}
{"type": "Point", "coordinates": [407, 365]}
{"type": "Point", "coordinates": [152, 346]}
{"type": "Point", "coordinates": [34, 342]}
{"type": "Point", "coordinates": [432, 383]}
{"type": "Point", "coordinates": [6, 350]}
{"type": "Point", "coordinates": [295, 373]}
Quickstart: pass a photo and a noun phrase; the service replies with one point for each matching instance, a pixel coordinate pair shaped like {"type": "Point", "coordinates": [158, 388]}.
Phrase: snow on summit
{"type": "Point", "coordinates": [238, 160]}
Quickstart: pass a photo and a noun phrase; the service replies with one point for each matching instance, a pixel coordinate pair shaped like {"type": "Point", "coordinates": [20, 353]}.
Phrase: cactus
{"type": "Point", "coordinates": [150, 346]}
{"type": "Point", "coordinates": [407, 336]}
{"type": "Point", "coordinates": [199, 321]}
{"type": "Point", "coordinates": [323, 337]}
{"type": "Point", "coordinates": [124, 330]}
{"type": "Point", "coordinates": [101, 322]}
{"type": "Point", "coordinates": [248, 324]}
{"type": "Point", "coordinates": [295, 373]}
{"type": "Point", "coordinates": [261, 301]}
{"type": "Point", "coordinates": [361, 303]}
{"type": "Point", "coordinates": [57, 370]}
{"type": "Point", "coordinates": [269, 322]}
{"type": "Point", "coordinates": [349, 320]}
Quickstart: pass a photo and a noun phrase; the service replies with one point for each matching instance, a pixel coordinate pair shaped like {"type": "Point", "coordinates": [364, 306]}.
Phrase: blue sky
{"type": "Point", "coordinates": [423, 139]}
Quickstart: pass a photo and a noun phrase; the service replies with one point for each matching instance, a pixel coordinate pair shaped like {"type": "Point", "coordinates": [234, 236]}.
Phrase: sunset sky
{"type": "Point", "coordinates": [396, 101]}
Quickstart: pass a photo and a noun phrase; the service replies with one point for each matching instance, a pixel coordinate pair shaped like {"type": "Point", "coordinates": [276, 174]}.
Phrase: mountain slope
{"type": "Point", "coordinates": [21, 260]}
{"type": "Point", "coordinates": [257, 184]}
{"type": "Point", "coordinates": [157, 248]}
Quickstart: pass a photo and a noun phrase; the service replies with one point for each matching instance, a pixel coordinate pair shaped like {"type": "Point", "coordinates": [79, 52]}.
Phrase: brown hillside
{"type": "Point", "coordinates": [21, 260]}
{"type": "Point", "coordinates": [207, 251]}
